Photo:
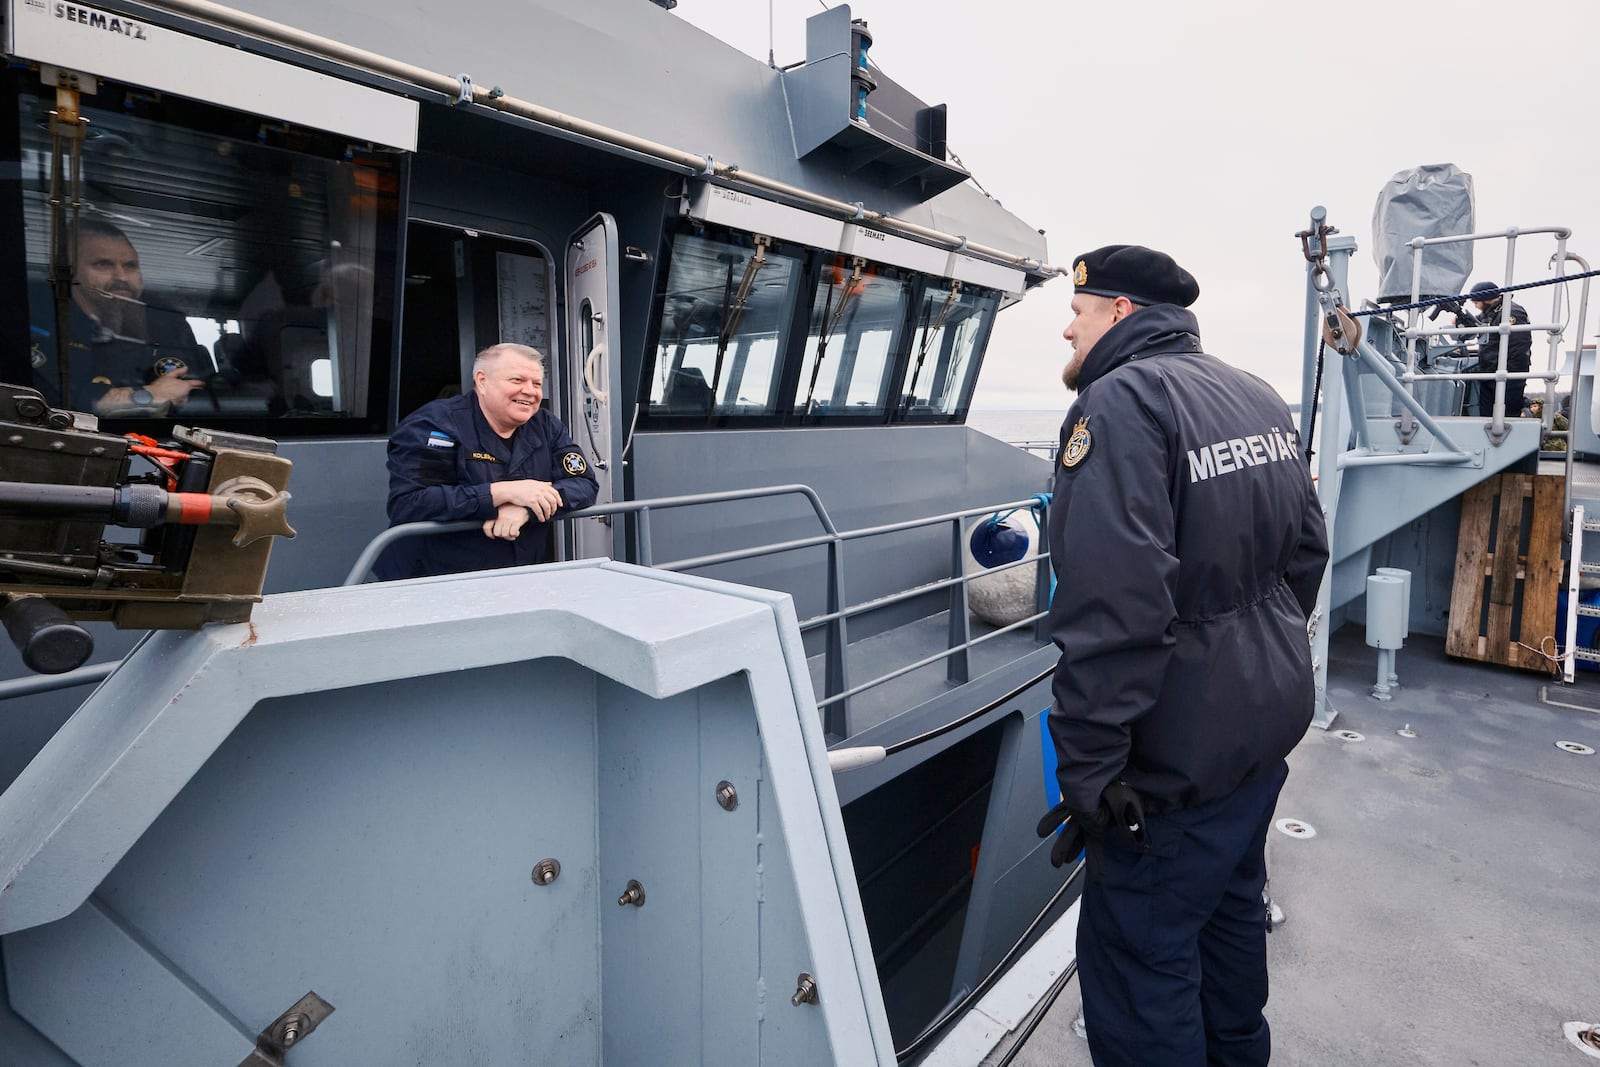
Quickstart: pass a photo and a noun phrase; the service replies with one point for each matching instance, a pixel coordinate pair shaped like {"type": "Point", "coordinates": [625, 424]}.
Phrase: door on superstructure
{"type": "Point", "coordinates": [466, 290]}
{"type": "Point", "coordinates": [592, 371]}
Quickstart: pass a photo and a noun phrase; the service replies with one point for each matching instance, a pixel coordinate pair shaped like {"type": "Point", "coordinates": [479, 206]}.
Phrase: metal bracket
{"type": "Point", "coordinates": [287, 1030]}
{"type": "Point", "coordinates": [464, 90]}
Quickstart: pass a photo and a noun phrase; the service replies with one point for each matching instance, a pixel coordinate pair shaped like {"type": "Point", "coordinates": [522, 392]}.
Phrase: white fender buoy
{"type": "Point", "coordinates": [1007, 597]}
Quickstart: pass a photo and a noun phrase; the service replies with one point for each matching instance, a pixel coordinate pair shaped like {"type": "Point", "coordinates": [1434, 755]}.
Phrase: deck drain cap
{"type": "Point", "coordinates": [1349, 735]}
{"type": "Point", "coordinates": [1575, 748]}
{"type": "Point", "coordinates": [1295, 828]}
{"type": "Point", "coordinates": [1584, 1036]}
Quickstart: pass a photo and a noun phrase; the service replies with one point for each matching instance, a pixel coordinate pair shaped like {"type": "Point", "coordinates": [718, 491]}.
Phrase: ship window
{"type": "Point", "coordinates": [951, 327]}
{"type": "Point", "coordinates": [238, 264]}
{"type": "Point", "coordinates": [724, 316]}
{"type": "Point", "coordinates": [857, 314]}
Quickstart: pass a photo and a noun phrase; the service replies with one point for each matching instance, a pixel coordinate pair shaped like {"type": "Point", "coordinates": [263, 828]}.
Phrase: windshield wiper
{"type": "Point", "coordinates": [734, 305]}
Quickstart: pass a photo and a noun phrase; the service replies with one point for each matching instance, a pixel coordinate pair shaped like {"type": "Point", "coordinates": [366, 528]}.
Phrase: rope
{"type": "Point", "coordinates": [1316, 395]}
{"type": "Point", "coordinates": [1437, 300]}
{"type": "Point", "coordinates": [1555, 661]}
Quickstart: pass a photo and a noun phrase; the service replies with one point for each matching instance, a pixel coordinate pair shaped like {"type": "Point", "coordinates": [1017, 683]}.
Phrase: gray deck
{"type": "Point", "coordinates": [1445, 911]}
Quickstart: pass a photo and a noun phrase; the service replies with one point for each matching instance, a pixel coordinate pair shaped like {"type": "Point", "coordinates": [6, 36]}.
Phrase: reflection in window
{"type": "Point", "coordinates": [222, 266]}
{"type": "Point", "coordinates": [728, 303]}
{"type": "Point", "coordinates": [856, 318]}
{"type": "Point", "coordinates": [951, 326]}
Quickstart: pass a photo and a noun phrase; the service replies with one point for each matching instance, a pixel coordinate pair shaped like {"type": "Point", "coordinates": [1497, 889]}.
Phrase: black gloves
{"type": "Point", "coordinates": [1120, 812]}
{"type": "Point", "coordinates": [1081, 829]}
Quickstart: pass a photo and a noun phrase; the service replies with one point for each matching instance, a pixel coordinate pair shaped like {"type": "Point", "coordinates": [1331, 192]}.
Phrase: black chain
{"type": "Point", "coordinates": [1438, 300]}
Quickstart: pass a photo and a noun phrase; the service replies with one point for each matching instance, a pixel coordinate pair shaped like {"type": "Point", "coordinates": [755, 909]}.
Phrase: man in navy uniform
{"type": "Point", "coordinates": [492, 454]}
{"type": "Point", "coordinates": [1519, 349]}
{"type": "Point", "coordinates": [126, 357]}
{"type": "Point", "coordinates": [1188, 547]}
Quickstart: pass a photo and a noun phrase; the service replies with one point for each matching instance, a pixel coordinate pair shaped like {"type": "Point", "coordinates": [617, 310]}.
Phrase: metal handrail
{"type": "Point", "coordinates": [930, 660]}
{"type": "Point", "coordinates": [46, 683]}
{"type": "Point", "coordinates": [1498, 430]}
{"type": "Point", "coordinates": [362, 568]}
{"type": "Point", "coordinates": [835, 705]}
{"type": "Point", "coordinates": [837, 690]}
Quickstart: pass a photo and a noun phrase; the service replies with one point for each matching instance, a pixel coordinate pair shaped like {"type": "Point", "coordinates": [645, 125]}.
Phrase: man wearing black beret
{"type": "Point", "coordinates": [1491, 305]}
{"type": "Point", "coordinates": [1188, 548]}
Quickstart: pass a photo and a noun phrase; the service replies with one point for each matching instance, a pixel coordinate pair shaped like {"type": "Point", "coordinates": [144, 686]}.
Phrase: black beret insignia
{"type": "Point", "coordinates": [1141, 274]}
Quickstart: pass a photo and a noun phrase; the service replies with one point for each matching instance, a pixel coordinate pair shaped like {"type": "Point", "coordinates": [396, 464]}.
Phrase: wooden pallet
{"type": "Point", "coordinates": [1508, 571]}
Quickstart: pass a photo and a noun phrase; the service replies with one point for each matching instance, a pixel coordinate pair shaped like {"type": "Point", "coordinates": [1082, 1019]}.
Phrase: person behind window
{"type": "Point", "coordinates": [125, 357]}
{"type": "Point", "coordinates": [493, 455]}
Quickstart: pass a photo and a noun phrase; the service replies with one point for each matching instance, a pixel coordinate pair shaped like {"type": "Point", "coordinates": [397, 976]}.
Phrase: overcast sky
{"type": "Point", "coordinates": [1209, 131]}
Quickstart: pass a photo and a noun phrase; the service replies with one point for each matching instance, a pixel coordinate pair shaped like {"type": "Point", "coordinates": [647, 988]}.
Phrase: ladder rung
{"type": "Point", "coordinates": [1592, 610]}
{"type": "Point", "coordinates": [1588, 655]}
{"type": "Point", "coordinates": [1591, 524]}
{"type": "Point", "coordinates": [1589, 568]}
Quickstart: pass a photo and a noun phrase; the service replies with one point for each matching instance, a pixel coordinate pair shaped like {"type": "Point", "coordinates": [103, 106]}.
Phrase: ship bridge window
{"type": "Point", "coordinates": [241, 265]}
{"type": "Point", "coordinates": [951, 328]}
{"type": "Point", "coordinates": [857, 315]}
{"type": "Point", "coordinates": [725, 315]}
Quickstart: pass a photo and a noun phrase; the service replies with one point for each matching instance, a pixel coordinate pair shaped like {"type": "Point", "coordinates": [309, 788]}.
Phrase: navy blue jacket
{"type": "Point", "coordinates": [1519, 349]}
{"type": "Point", "coordinates": [100, 361]}
{"type": "Point", "coordinates": [441, 461]}
{"type": "Point", "coordinates": [1188, 547]}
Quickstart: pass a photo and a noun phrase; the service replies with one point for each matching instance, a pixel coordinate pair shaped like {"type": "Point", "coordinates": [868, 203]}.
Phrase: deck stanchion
{"type": "Point", "coordinates": [958, 666]}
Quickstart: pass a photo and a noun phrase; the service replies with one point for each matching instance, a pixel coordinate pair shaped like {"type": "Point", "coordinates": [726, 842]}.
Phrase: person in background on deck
{"type": "Point", "coordinates": [126, 358]}
{"type": "Point", "coordinates": [1188, 546]}
{"type": "Point", "coordinates": [1519, 350]}
{"type": "Point", "coordinates": [492, 454]}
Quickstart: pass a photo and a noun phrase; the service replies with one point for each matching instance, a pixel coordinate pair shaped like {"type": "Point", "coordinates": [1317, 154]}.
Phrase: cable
{"type": "Point", "coordinates": [1045, 1005]}
{"type": "Point", "coordinates": [932, 1030]}
{"type": "Point", "coordinates": [1316, 394]}
{"type": "Point", "coordinates": [1434, 301]}
{"type": "Point", "coordinates": [910, 742]}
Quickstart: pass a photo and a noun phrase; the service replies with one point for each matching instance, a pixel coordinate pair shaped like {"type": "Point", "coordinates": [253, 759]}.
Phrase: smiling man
{"type": "Point", "coordinates": [493, 455]}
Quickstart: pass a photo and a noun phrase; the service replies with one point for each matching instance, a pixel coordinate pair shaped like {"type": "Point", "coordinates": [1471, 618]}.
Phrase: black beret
{"type": "Point", "coordinates": [1484, 291]}
{"type": "Point", "coordinates": [1141, 274]}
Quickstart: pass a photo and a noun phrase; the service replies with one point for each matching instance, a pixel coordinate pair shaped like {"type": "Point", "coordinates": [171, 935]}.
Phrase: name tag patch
{"type": "Point", "coordinates": [1239, 453]}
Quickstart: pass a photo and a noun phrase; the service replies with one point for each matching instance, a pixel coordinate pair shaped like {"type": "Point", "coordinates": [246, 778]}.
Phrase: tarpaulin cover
{"type": "Point", "coordinates": [1434, 200]}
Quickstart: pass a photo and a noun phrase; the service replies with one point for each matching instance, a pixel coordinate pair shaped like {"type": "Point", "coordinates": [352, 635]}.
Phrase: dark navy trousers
{"type": "Point", "coordinates": [1172, 940]}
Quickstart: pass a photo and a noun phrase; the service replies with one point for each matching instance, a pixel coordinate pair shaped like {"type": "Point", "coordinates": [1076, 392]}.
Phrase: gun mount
{"type": "Point", "coordinates": [207, 504]}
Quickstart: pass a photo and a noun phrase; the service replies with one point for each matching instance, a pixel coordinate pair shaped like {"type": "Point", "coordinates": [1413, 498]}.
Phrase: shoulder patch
{"type": "Point", "coordinates": [1078, 444]}
{"type": "Point", "coordinates": [440, 439]}
{"type": "Point", "coordinates": [573, 463]}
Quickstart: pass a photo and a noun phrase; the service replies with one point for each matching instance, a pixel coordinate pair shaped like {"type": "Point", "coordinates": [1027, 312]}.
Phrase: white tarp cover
{"type": "Point", "coordinates": [1434, 200]}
